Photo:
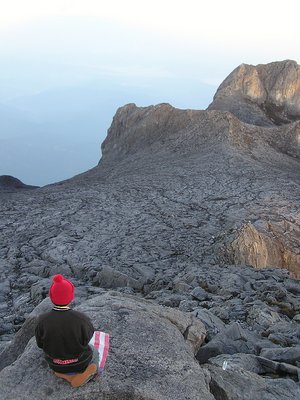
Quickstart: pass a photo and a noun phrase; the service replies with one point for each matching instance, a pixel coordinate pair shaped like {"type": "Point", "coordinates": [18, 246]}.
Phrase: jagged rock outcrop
{"type": "Point", "coordinates": [262, 94]}
{"type": "Point", "coordinates": [265, 247]}
{"type": "Point", "coordinates": [190, 209]}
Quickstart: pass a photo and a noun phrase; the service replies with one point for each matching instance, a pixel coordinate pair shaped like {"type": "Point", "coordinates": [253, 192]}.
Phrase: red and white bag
{"type": "Point", "coordinates": [100, 341]}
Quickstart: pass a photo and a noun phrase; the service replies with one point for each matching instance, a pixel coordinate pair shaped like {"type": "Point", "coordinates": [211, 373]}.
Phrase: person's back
{"type": "Point", "coordinates": [64, 336]}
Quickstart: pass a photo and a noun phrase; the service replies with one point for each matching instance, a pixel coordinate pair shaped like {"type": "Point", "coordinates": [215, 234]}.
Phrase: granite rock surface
{"type": "Point", "coordinates": [151, 356]}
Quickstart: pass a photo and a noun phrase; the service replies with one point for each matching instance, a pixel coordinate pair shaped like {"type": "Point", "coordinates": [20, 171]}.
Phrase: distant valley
{"type": "Point", "coordinates": [53, 135]}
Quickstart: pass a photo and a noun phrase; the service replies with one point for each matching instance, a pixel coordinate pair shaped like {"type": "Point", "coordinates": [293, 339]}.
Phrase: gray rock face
{"type": "Point", "coordinates": [290, 355]}
{"type": "Point", "coordinates": [263, 94]}
{"type": "Point", "coordinates": [260, 246]}
{"type": "Point", "coordinates": [196, 210]}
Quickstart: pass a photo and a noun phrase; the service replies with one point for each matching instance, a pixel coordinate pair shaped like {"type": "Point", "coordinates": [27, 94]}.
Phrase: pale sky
{"type": "Point", "coordinates": [67, 62]}
{"type": "Point", "coordinates": [233, 19]}
{"type": "Point", "coordinates": [265, 26]}
{"type": "Point", "coordinates": [158, 38]}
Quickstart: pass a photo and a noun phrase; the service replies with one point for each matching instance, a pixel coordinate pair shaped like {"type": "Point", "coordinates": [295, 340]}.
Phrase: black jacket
{"type": "Point", "coordinates": [64, 336]}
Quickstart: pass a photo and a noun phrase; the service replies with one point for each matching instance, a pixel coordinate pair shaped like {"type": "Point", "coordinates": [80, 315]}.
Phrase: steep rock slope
{"type": "Point", "coordinates": [251, 160]}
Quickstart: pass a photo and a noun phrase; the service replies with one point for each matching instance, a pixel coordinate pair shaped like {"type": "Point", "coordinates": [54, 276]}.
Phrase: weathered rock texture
{"type": "Point", "coordinates": [151, 357]}
{"type": "Point", "coordinates": [250, 377]}
{"type": "Point", "coordinates": [263, 94]}
{"type": "Point", "coordinates": [264, 247]}
{"type": "Point", "coordinates": [195, 210]}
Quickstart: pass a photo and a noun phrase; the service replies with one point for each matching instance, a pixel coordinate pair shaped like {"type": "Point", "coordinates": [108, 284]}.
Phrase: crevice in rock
{"type": "Point", "coordinates": [217, 391]}
{"type": "Point", "coordinates": [186, 332]}
{"type": "Point", "coordinates": [277, 114]}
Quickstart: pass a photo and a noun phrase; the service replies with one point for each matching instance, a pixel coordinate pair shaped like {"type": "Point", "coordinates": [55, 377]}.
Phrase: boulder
{"type": "Point", "coordinates": [200, 294]}
{"type": "Point", "coordinates": [256, 364]}
{"type": "Point", "coordinates": [261, 316]}
{"type": "Point", "coordinates": [212, 323]}
{"type": "Point", "coordinates": [107, 277]}
{"type": "Point", "coordinates": [285, 333]}
{"type": "Point", "coordinates": [151, 356]}
{"type": "Point", "coordinates": [244, 377]}
{"type": "Point", "coordinates": [233, 339]}
{"type": "Point", "coordinates": [290, 355]}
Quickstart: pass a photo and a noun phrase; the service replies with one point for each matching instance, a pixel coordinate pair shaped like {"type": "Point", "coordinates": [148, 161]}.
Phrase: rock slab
{"type": "Point", "coordinates": [151, 357]}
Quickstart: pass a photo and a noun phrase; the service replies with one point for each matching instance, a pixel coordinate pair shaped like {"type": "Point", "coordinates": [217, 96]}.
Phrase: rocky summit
{"type": "Point", "coordinates": [183, 245]}
{"type": "Point", "coordinates": [262, 95]}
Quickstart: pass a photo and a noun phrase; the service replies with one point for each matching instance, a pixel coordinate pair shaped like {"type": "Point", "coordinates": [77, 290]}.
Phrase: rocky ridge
{"type": "Point", "coordinates": [191, 210]}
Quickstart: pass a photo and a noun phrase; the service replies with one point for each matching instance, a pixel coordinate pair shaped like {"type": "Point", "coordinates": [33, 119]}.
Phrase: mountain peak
{"type": "Point", "coordinates": [266, 94]}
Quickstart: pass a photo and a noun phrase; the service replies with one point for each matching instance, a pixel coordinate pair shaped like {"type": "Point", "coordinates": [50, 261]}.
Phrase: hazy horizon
{"type": "Point", "coordinates": [68, 65]}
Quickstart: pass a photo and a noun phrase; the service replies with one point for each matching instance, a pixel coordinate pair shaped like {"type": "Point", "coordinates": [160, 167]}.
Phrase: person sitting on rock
{"type": "Point", "coordinates": [64, 336]}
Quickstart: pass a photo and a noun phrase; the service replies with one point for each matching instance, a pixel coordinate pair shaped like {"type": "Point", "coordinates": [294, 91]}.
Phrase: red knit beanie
{"type": "Point", "coordinates": [61, 291]}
